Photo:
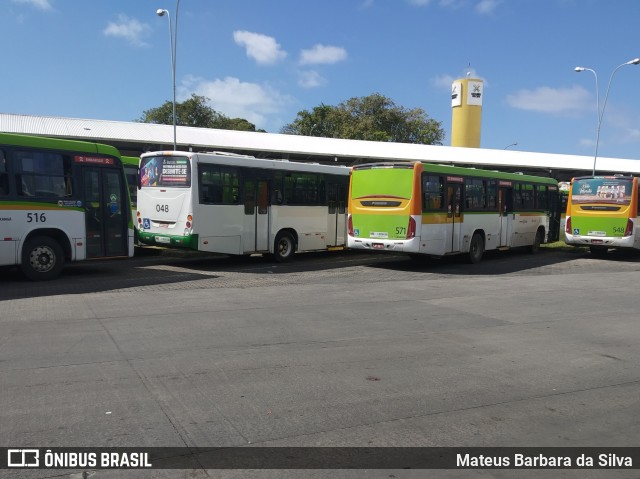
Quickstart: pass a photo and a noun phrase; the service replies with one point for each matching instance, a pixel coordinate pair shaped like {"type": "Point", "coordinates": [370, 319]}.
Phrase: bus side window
{"type": "Point", "coordinates": [4, 175]}
{"type": "Point", "coordinates": [432, 192]}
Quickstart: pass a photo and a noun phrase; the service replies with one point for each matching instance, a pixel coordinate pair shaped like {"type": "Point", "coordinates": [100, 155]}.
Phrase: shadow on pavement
{"type": "Point", "coordinates": [493, 262]}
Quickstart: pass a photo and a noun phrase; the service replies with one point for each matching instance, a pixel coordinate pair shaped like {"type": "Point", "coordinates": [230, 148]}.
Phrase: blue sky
{"type": "Point", "coordinates": [265, 60]}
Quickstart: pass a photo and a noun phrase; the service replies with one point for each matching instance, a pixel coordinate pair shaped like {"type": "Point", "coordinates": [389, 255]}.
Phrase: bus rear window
{"type": "Point", "coordinates": [165, 171]}
{"type": "Point", "coordinates": [382, 182]}
{"type": "Point", "coordinates": [602, 190]}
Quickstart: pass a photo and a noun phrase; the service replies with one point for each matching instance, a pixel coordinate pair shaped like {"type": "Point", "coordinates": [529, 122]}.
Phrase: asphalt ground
{"type": "Point", "coordinates": [334, 349]}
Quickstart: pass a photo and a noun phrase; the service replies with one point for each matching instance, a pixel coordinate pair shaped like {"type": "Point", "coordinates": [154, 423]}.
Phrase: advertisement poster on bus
{"type": "Point", "coordinates": [165, 171]}
{"type": "Point", "coordinates": [602, 190]}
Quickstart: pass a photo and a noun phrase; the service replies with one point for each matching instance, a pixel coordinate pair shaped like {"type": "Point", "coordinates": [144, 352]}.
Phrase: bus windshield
{"type": "Point", "coordinates": [383, 181]}
{"type": "Point", "coordinates": [165, 171]}
{"type": "Point", "coordinates": [602, 190]}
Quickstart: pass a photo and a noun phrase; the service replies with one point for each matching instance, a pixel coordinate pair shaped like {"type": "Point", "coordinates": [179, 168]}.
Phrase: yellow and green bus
{"type": "Point", "coordinates": [438, 210]}
{"type": "Point", "coordinates": [61, 200]}
{"type": "Point", "coordinates": [602, 213]}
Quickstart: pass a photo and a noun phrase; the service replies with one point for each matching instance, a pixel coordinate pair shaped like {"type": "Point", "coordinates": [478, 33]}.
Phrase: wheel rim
{"type": "Point", "coordinates": [284, 247]}
{"type": "Point", "coordinates": [475, 248]}
{"type": "Point", "coordinates": [42, 259]}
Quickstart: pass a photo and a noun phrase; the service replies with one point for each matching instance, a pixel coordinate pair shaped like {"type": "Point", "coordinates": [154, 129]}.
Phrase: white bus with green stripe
{"type": "Point", "coordinates": [61, 201]}
{"type": "Point", "coordinates": [436, 210]}
{"type": "Point", "coordinates": [240, 205]}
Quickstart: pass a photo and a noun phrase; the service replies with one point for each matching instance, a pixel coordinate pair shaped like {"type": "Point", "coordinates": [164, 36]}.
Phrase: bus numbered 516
{"type": "Point", "coordinates": [60, 201]}
{"type": "Point", "coordinates": [427, 209]}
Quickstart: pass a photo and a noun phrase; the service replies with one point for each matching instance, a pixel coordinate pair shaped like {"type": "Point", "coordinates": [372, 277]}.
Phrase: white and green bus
{"type": "Point", "coordinates": [423, 208]}
{"type": "Point", "coordinates": [239, 205]}
{"type": "Point", "coordinates": [60, 201]}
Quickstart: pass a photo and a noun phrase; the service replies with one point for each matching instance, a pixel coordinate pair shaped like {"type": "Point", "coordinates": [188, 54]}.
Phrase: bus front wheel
{"type": "Point", "coordinates": [284, 247]}
{"type": "Point", "coordinates": [476, 248]}
{"type": "Point", "coordinates": [535, 247]}
{"type": "Point", "coordinates": [42, 258]}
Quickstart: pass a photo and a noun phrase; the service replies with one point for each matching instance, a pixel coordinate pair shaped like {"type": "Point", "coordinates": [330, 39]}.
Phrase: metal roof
{"type": "Point", "coordinates": [149, 137]}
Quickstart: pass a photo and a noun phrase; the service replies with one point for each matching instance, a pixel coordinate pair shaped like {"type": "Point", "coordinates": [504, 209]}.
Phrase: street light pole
{"type": "Point", "coordinates": [173, 39]}
{"type": "Point", "coordinates": [599, 112]}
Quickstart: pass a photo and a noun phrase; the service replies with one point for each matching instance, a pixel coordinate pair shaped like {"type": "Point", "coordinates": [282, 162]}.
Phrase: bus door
{"type": "Point", "coordinates": [554, 212]}
{"type": "Point", "coordinates": [454, 217]}
{"type": "Point", "coordinates": [255, 233]}
{"type": "Point", "coordinates": [106, 212]}
{"type": "Point", "coordinates": [336, 218]}
{"type": "Point", "coordinates": [505, 205]}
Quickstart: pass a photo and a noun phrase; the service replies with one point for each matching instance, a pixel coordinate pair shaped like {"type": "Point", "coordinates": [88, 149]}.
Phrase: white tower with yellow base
{"type": "Point", "coordinates": [466, 112]}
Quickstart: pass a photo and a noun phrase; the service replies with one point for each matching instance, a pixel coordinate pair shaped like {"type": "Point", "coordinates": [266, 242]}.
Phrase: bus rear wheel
{"type": "Point", "coordinates": [42, 259]}
{"type": "Point", "coordinates": [476, 248]}
{"type": "Point", "coordinates": [284, 247]}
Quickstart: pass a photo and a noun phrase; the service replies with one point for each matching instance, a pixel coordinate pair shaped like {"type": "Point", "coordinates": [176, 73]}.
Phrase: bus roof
{"type": "Point", "coordinates": [130, 160]}
{"type": "Point", "coordinates": [57, 144]}
{"type": "Point", "coordinates": [457, 170]}
{"type": "Point", "coordinates": [252, 162]}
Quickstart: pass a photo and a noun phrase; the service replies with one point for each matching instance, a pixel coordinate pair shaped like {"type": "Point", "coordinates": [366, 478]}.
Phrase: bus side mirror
{"type": "Point", "coordinates": [138, 178]}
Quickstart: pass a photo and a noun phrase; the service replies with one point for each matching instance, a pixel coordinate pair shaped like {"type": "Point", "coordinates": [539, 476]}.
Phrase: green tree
{"type": "Point", "coordinates": [374, 117]}
{"type": "Point", "coordinates": [194, 111]}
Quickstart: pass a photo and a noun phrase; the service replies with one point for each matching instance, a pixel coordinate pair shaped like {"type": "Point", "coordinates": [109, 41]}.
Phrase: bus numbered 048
{"type": "Point", "coordinates": [423, 208]}
{"type": "Point", "coordinates": [602, 213]}
{"type": "Point", "coordinates": [61, 200]}
{"type": "Point", "coordinates": [238, 205]}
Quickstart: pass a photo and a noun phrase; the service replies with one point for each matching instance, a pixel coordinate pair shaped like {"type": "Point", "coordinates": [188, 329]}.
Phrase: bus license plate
{"type": "Point", "coordinates": [378, 246]}
{"type": "Point", "coordinates": [163, 239]}
{"type": "Point", "coordinates": [596, 241]}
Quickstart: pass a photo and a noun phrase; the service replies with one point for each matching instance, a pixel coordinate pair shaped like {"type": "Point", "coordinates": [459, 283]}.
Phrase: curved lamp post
{"type": "Point", "coordinates": [600, 113]}
{"type": "Point", "coordinates": [173, 38]}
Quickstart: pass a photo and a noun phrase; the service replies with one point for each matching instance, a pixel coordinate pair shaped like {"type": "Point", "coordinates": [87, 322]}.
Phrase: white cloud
{"type": "Point", "coordinates": [485, 7]}
{"type": "Point", "coordinates": [310, 79]}
{"type": "Point", "coordinates": [482, 7]}
{"type": "Point", "coordinates": [444, 82]}
{"type": "Point", "coordinates": [325, 54]}
{"type": "Point", "coordinates": [552, 100]}
{"type": "Point", "coordinates": [237, 99]}
{"type": "Point", "coordinates": [39, 4]}
{"type": "Point", "coordinates": [130, 29]}
{"type": "Point", "coordinates": [262, 48]}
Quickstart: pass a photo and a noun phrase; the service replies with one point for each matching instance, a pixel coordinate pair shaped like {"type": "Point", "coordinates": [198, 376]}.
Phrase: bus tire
{"type": "Point", "coordinates": [284, 247]}
{"type": "Point", "coordinates": [42, 258]}
{"type": "Point", "coordinates": [535, 247]}
{"type": "Point", "coordinates": [476, 248]}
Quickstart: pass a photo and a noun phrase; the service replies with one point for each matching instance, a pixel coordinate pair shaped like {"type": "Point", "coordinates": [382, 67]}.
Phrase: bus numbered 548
{"type": "Point", "coordinates": [602, 213]}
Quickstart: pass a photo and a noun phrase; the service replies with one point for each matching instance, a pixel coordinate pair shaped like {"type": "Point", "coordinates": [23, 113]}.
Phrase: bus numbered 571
{"type": "Point", "coordinates": [436, 210]}
{"type": "Point", "coordinates": [60, 201]}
